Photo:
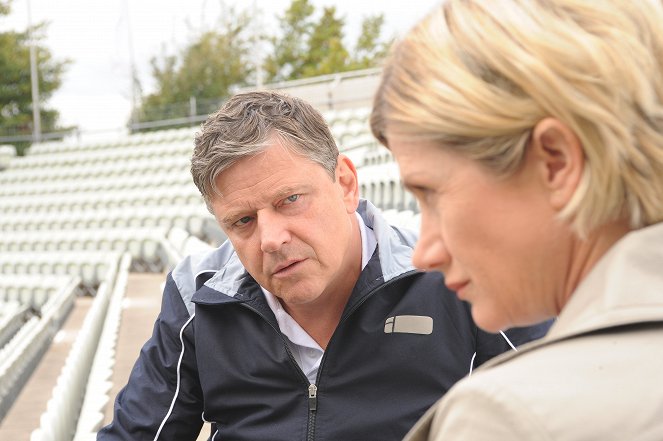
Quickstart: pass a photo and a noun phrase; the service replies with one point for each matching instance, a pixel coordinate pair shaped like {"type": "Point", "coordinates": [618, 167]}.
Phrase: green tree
{"type": "Point", "coordinates": [208, 68]}
{"type": "Point", "coordinates": [290, 48]}
{"type": "Point", "coordinates": [370, 49]}
{"type": "Point", "coordinates": [217, 61]}
{"type": "Point", "coordinates": [326, 52]}
{"type": "Point", "coordinates": [15, 83]}
{"type": "Point", "coordinates": [306, 47]}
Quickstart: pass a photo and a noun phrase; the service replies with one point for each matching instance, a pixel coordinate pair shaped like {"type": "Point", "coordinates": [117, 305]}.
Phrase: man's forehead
{"type": "Point", "coordinates": [256, 191]}
{"type": "Point", "coordinates": [269, 195]}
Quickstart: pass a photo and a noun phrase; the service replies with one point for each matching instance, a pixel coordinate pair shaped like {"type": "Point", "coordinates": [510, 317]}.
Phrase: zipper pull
{"type": "Point", "coordinates": [312, 397]}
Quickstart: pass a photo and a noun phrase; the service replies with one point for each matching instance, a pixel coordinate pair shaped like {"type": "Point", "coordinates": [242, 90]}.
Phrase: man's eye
{"type": "Point", "coordinates": [290, 199]}
{"type": "Point", "coordinates": [243, 221]}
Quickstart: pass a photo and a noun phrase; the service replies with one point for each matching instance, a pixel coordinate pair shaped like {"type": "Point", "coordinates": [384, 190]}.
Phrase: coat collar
{"type": "Point", "coordinates": [624, 288]}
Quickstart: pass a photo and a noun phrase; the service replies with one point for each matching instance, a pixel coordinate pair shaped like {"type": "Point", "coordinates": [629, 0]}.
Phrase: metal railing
{"type": "Point", "coordinates": [21, 355]}
{"type": "Point", "coordinates": [326, 92]}
{"type": "Point", "coordinates": [100, 383]}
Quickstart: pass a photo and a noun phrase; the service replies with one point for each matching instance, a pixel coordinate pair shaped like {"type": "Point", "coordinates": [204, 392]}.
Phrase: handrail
{"type": "Point", "coordinates": [99, 383]}
{"type": "Point", "coordinates": [12, 319]}
{"type": "Point", "coordinates": [19, 357]}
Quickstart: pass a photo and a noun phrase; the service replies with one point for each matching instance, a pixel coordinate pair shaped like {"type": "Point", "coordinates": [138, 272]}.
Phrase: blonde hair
{"type": "Point", "coordinates": [477, 76]}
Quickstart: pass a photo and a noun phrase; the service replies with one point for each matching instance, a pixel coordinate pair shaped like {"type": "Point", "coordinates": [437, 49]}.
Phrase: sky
{"type": "Point", "coordinates": [96, 34]}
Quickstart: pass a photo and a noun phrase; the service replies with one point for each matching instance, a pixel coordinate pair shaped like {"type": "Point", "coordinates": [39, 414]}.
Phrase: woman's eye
{"type": "Point", "coordinates": [292, 198]}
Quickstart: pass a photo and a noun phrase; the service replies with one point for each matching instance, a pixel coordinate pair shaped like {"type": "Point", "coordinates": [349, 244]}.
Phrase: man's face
{"type": "Point", "coordinates": [292, 226]}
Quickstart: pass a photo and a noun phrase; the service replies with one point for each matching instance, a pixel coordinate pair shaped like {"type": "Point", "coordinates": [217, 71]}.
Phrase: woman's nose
{"type": "Point", "coordinates": [430, 252]}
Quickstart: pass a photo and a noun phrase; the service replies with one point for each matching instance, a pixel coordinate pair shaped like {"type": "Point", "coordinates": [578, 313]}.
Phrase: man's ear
{"type": "Point", "coordinates": [346, 176]}
{"type": "Point", "coordinates": [560, 159]}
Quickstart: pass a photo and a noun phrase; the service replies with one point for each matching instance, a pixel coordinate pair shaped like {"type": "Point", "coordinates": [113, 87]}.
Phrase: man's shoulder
{"type": "Point", "coordinates": [194, 270]}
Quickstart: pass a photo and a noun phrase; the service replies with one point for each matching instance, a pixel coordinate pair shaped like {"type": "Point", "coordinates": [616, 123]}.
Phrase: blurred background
{"type": "Point", "coordinates": [99, 104]}
{"type": "Point", "coordinates": [106, 63]}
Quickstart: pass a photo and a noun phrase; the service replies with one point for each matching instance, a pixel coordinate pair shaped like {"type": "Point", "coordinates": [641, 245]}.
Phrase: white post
{"type": "Point", "coordinates": [193, 108]}
{"type": "Point", "coordinates": [34, 78]}
{"type": "Point", "coordinates": [132, 67]}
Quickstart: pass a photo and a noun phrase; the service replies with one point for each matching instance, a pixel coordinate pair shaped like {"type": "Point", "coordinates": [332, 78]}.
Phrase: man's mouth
{"type": "Point", "coordinates": [286, 267]}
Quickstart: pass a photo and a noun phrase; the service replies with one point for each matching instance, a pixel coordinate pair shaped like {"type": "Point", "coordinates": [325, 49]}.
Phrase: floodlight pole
{"type": "Point", "coordinates": [34, 79]}
{"type": "Point", "coordinates": [257, 47]}
{"type": "Point", "coordinates": [134, 74]}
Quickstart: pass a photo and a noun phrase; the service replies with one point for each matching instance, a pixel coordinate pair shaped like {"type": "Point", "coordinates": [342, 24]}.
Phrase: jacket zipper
{"type": "Point", "coordinates": [312, 407]}
{"type": "Point", "coordinates": [312, 388]}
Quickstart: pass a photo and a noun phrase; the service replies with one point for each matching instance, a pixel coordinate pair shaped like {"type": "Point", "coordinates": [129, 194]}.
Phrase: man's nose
{"type": "Point", "coordinates": [273, 232]}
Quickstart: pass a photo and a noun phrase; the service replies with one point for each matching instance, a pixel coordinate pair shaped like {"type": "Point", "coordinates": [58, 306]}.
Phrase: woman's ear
{"type": "Point", "coordinates": [346, 176]}
{"type": "Point", "coordinates": [560, 159]}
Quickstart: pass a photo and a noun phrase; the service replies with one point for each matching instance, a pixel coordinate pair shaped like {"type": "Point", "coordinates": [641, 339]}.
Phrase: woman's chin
{"type": "Point", "coordinates": [489, 321]}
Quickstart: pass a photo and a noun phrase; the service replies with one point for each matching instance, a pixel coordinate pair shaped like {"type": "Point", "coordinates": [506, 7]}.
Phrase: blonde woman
{"type": "Point", "coordinates": [531, 133]}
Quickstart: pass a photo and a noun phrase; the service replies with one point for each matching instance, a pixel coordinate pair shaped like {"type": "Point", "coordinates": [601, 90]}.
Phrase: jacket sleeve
{"type": "Point", "coordinates": [162, 399]}
{"type": "Point", "coordinates": [489, 345]}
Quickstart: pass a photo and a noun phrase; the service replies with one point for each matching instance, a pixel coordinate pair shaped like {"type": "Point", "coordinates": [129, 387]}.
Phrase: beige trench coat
{"type": "Point", "coordinates": [597, 375]}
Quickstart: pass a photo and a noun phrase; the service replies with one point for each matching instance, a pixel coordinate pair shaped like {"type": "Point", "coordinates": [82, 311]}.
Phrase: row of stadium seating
{"type": "Point", "coordinates": [7, 154]}
{"type": "Point", "coordinates": [112, 170]}
{"type": "Point", "coordinates": [174, 181]}
{"type": "Point", "coordinates": [75, 203]}
{"type": "Point", "coordinates": [29, 290]}
{"type": "Point", "coordinates": [90, 266]}
{"type": "Point", "coordinates": [143, 215]}
{"type": "Point", "coordinates": [112, 156]}
{"type": "Point", "coordinates": [338, 118]}
{"type": "Point", "coordinates": [377, 156]}
{"type": "Point", "coordinates": [381, 184]}
{"type": "Point", "coordinates": [137, 140]}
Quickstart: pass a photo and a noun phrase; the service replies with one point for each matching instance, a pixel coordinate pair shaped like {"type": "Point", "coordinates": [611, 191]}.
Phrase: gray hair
{"type": "Point", "coordinates": [244, 127]}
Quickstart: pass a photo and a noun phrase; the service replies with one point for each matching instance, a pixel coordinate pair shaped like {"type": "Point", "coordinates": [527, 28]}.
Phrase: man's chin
{"type": "Point", "coordinates": [297, 296]}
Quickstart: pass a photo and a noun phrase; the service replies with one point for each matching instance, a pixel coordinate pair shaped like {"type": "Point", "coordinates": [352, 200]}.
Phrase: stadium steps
{"type": "Point", "coordinates": [140, 307]}
{"type": "Point", "coordinates": [24, 414]}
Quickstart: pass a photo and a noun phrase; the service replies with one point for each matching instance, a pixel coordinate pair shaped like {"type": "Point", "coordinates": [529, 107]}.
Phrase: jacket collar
{"type": "Point", "coordinates": [624, 288]}
{"type": "Point", "coordinates": [395, 244]}
{"type": "Point", "coordinates": [393, 258]}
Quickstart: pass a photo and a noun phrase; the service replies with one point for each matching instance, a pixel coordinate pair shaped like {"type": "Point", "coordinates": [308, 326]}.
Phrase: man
{"type": "Point", "coordinates": [310, 322]}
